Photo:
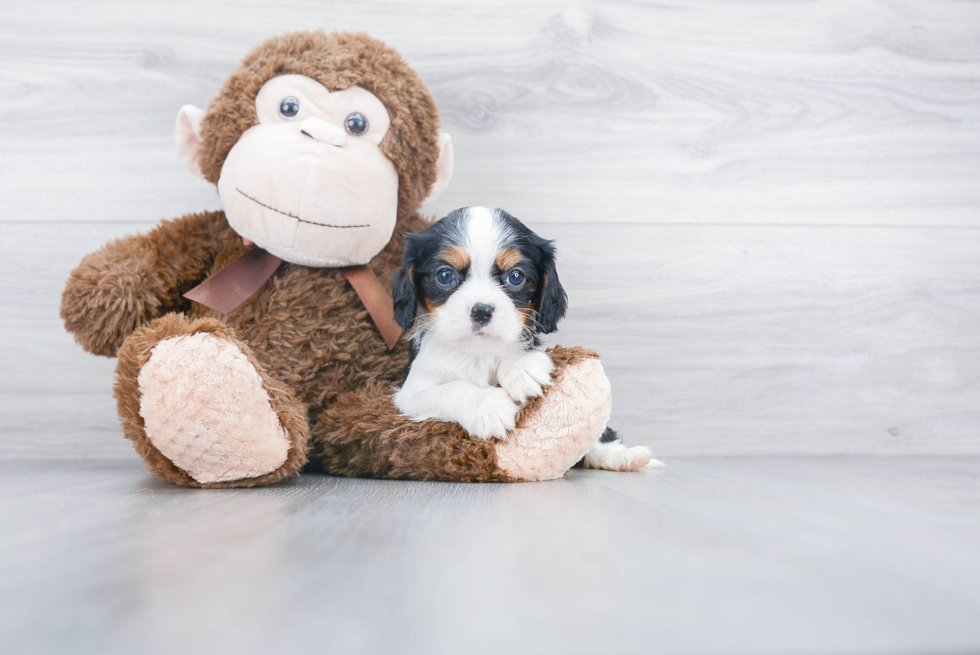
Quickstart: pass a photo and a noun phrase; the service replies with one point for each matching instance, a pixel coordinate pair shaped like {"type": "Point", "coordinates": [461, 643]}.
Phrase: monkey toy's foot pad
{"type": "Point", "coordinates": [560, 427]}
{"type": "Point", "coordinates": [205, 408]}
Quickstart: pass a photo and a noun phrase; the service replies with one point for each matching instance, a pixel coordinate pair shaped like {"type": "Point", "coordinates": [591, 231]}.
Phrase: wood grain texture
{"type": "Point", "coordinates": [718, 340]}
{"type": "Point", "coordinates": [811, 112]}
{"type": "Point", "coordinates": [729, 555]}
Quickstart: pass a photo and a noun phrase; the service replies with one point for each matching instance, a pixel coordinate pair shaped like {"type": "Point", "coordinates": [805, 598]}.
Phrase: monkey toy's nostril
{"type": "Point", "coordinates": [481, 313]}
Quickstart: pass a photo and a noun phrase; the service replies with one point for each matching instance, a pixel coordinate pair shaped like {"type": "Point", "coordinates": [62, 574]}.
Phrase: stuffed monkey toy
{"type": "Point", "coordinates": [258, 341]}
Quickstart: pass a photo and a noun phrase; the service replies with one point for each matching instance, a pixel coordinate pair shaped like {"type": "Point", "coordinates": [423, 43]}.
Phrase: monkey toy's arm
{"type": "Point", "coordinates": [133, 280]}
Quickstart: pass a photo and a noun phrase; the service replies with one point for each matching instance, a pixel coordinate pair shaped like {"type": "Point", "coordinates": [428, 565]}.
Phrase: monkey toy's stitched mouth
{"type": "Point", "coordinates": [279, 211]}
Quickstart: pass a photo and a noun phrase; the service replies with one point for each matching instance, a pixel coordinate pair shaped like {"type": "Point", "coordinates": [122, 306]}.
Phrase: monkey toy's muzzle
{"type": "Point", "coordinates": [309, 194]}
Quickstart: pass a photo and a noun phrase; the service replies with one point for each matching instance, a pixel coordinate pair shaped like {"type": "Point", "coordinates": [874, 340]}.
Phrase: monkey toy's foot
{"type": "Point", "coordinates": [200, 409]}
{"type": "Point", "coordinates": [554, 431]}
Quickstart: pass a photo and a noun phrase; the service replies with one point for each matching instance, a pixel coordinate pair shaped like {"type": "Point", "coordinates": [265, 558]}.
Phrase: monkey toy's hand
{"type": "Point", "coordinates": [524, 377]}
{"type": "Point", "coordinates": [133, 280]}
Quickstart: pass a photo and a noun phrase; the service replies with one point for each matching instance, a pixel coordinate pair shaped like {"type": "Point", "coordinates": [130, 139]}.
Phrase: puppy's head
{"type": "Point", "coordinates": [479, 274]}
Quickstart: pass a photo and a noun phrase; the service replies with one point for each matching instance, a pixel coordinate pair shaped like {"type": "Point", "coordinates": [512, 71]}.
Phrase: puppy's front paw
{"type": "Point", "coordinates": [493, 415]}
{"type": "Point", "coordinates": [524, 377]}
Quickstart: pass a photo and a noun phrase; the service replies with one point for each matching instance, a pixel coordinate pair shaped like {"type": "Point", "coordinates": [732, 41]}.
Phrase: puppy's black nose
{"type": "Point", "coordinates": [481, 313]}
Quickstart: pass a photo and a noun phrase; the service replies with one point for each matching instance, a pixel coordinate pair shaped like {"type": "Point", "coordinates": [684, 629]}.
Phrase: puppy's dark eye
{"type": "Point", "coordinates": [356, 124]}
{"type": "Point", "coordinates": [515, 278]}
{"type": "Point", "coordinates": [288, 108]}
{"type": "Point", "coordinates": [445, 276]}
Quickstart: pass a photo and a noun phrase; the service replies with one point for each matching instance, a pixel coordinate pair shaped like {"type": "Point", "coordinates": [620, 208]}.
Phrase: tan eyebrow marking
{"type": "Point", "coordinates": [508, 258]}
{"type": "Point", "coordinates": [456, 257]}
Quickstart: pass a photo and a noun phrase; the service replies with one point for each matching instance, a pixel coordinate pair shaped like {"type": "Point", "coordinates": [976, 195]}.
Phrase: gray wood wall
{"type": "Point", "coordinates": [768, 213]}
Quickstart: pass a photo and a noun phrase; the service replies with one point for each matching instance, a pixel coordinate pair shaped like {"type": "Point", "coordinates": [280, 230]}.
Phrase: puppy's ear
{"type": "Point", "coordinates": [403, 292]}
{"type": "Point", "coordinates": [403, 286]}
{"type": "Point", "coordinates": [553, 301]}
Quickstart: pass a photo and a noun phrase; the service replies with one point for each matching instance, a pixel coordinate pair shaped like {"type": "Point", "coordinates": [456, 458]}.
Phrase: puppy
{"type": "Point", "coordinates": [478, 288]}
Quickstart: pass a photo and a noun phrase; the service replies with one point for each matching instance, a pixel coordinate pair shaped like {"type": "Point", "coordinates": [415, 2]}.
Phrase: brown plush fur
{"type": "Point", "coordinates": [305, 330]}
{"type": "Point", "coordinates": [133, 280]}
{"type": "Point", "coordinates": [321, 359]}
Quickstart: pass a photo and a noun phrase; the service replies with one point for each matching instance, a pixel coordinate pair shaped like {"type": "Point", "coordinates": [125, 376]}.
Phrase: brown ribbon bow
{"type": "Point", "coordinates": [236, 282]}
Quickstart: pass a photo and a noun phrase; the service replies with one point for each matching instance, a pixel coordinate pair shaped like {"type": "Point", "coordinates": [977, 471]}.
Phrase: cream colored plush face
{"type": "Point", "coordinates": [306, 188]}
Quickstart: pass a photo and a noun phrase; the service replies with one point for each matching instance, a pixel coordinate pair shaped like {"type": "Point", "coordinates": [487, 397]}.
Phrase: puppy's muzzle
{"type": "Point", "coordinates": [481, 313]}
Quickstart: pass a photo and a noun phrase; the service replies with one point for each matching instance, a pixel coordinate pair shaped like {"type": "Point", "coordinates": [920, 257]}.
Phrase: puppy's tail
{"type": "Point", "coordinates": [609, 436]}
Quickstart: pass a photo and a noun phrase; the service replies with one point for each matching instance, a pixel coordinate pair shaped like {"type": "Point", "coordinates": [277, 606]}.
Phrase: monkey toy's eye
{"type": "Point", "coordinates": [445, 276]}
{"type": "Point", "coordinates": [356, 123]}
{"type": "Point", "coordinates": [515, 278]}
{"type": "Point", "coordinates": [288, 108]}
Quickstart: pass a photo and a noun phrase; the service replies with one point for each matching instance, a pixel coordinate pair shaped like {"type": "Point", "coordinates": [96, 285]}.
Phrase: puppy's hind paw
{"type": "Point", "coordinates": [617, 457]}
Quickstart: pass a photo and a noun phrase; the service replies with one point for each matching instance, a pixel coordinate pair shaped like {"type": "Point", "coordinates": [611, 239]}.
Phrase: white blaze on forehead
{"type": "Point", "coordinates": [484, 235]}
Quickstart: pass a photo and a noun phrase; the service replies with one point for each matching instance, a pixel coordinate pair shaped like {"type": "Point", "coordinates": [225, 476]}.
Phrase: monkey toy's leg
{"type": "Point", "coordinates": [200, 409]}
{"type": "Point", "coordinates": [362, 434]}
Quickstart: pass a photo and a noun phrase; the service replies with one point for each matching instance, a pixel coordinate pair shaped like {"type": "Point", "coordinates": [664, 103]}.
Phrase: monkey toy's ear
{"type": "Point", "coordinates": [189, 136]}
{"type": "Point", "coordinates": [444, 167]}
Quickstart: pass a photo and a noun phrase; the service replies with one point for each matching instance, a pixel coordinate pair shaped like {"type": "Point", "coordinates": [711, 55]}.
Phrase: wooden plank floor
{"type": "Point", "coordinates": [710, 555]}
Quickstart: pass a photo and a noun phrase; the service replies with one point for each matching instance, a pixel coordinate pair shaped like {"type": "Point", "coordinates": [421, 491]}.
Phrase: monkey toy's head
{"type": "Point", "coordinates": [319, 144]}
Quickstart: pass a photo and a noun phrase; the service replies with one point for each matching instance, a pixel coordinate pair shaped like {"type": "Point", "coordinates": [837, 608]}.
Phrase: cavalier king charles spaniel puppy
{"type": "Point", "coordinates": [477, 289]}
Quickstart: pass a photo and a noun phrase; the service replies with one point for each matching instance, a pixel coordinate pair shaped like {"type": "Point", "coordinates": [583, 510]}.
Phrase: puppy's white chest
{"type": "Point", "coordinates": [479, 369]}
